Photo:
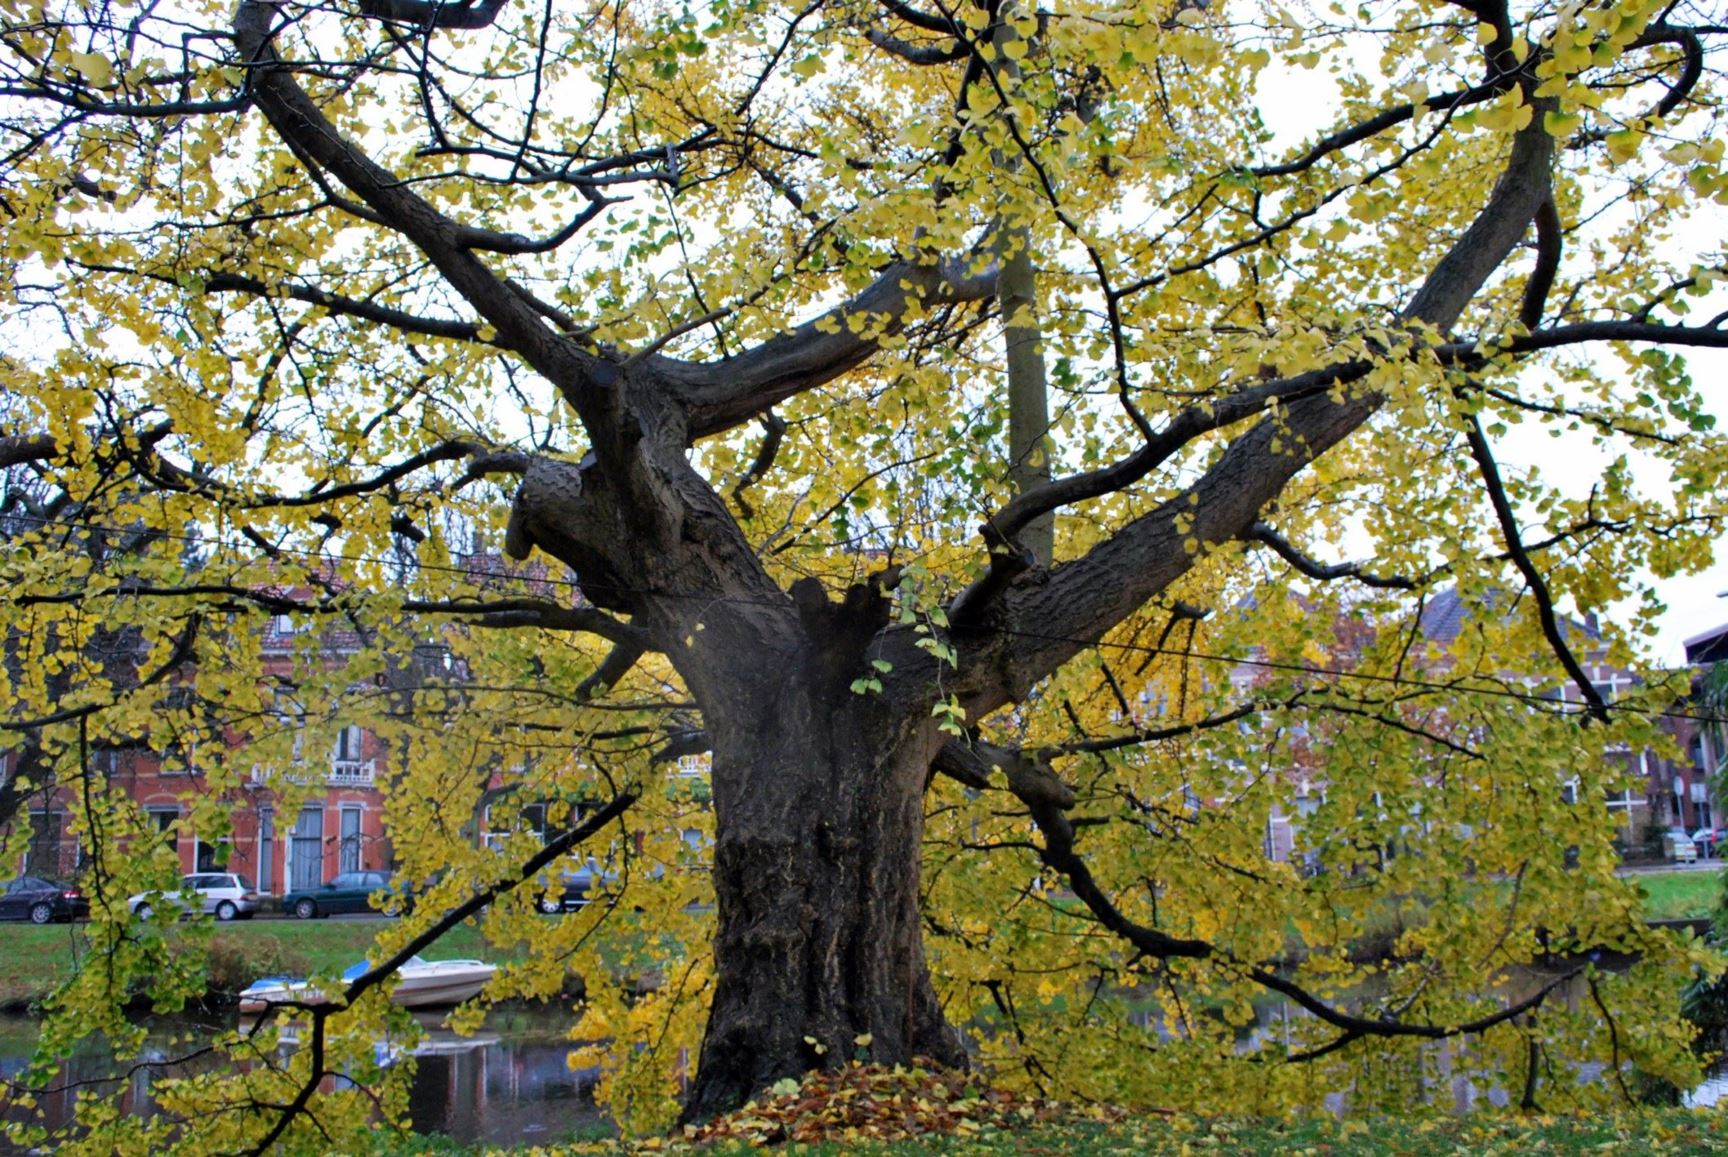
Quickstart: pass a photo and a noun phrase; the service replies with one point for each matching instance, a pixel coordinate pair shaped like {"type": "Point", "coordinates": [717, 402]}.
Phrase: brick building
{"type": "Point", "coordinates": [1676, 792]}
{"type": "Point", "coordinates": [340, 828]}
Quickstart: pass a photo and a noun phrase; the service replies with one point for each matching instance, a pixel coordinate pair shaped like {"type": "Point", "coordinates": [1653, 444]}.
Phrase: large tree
{"type": "Point", "coordinates": [924, 410]}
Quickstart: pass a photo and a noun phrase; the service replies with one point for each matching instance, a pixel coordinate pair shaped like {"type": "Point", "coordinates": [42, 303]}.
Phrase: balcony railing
{"type": "Point", "coordinates": [343, 773]}
{"type": "Point", "coordinates": [351, 772]}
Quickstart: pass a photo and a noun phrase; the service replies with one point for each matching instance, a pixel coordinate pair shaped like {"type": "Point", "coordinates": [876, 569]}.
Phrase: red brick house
{"type": "Point", "coordinates": [339, 829]}
{"type": "Point", "coordinates": [1677, 792]}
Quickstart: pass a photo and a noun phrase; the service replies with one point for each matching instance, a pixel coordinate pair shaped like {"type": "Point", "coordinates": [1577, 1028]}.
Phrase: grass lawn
{"type": "Point", "coordinates": [34, 959]}
{"type": "Point", "coordinates": [1675, 895]}
{"type": "Point", "coordinates": [1676, 1132]}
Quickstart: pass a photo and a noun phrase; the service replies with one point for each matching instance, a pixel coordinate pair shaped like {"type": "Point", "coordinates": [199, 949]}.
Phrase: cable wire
{"type": "Point", "coordinates": [1546, 703]}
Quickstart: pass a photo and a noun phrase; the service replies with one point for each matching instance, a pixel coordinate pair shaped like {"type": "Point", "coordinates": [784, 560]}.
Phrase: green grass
{"type": "Point", "coordinates": [1679, 895]}
{"type": "Point", "coordinates": [332, 945]}
{"type": "Point", "coordinates": [1643, 1133]}
{"type": "Point", "coordinates": [33, 960]}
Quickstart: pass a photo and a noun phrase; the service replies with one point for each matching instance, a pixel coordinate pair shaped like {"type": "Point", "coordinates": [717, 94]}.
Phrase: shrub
{"type": "Point", "coordinates": [237, 960]}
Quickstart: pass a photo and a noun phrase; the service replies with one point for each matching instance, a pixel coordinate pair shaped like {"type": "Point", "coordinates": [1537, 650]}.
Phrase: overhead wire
{"type": "Point", "coordinates": [1536, 699]}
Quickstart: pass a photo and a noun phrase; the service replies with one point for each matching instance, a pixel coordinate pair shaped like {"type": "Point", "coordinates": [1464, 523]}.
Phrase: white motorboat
{"type": "Point", "coordinates": [438, 983]}
{"type": "Point", "coordinates": [420, 984]}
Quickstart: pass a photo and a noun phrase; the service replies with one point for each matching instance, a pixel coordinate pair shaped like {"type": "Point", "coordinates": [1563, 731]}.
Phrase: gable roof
{"type": "Point", "coordinates": [1709, 647]}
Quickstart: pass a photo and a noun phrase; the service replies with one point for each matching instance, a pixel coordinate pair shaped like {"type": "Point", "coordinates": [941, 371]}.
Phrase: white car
{"type": "Point", "coordinates": [226, 895]}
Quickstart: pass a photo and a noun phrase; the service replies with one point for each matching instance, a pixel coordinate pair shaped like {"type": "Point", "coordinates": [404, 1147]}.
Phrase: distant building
{"type": "Point", "coordinates": [339, 829]}
{"type": "Point", "coordinates": [1673, 792]}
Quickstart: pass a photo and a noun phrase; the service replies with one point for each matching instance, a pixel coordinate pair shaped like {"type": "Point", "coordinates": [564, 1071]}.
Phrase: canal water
{"type": "Point", "coordinates": [508, 1084]}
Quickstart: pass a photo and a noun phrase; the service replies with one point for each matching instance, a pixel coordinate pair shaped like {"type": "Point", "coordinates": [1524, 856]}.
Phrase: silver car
{"type": "Point", "coordinates": [227, 895]}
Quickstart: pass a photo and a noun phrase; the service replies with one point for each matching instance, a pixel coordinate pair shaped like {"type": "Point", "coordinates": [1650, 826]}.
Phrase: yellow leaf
{"type": "Point", "coordinates": [94, 68]}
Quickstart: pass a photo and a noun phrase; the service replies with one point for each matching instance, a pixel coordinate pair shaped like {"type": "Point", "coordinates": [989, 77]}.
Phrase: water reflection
{"type": "Point", "coordinates": [508, 1084]}
{"type": "Point", "coordinates": [517, 1087]}
{"type": "Point", "coordinates": [1449, 1074]}
{"type": "Point", "coordinates": [1713, 1091]}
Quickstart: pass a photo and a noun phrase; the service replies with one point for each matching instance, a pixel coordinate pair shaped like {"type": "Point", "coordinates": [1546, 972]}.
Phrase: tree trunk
{"type": "Point", "coordinates": [819, 818]}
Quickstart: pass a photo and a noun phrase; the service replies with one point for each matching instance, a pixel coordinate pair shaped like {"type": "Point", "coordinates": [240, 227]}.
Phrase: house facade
{"type": "Point", "coordinates": [1677, 787]}
{"type": "Point", "coordinates": [339, 827]}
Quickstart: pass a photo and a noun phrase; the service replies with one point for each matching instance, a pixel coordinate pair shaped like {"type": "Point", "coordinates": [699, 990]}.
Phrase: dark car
{"type": "Point", "coordinates": [41, 900]}
{"type": "Point", "coordinates": [346, 893]}
{"type": "Point", "coordinates": [572, 889]}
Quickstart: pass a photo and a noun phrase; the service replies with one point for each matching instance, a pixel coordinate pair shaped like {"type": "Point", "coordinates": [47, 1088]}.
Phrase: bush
{"type": "Point", "coordinates": [237, 960]}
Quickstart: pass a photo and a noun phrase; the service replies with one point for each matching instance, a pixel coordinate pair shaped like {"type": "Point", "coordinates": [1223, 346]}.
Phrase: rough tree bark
{"type": "Point", "coordinates": [819, 817]}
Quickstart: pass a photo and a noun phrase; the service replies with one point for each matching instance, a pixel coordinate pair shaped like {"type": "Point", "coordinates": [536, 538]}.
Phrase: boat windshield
{"type": "Point", "coordinates": [361, 967]}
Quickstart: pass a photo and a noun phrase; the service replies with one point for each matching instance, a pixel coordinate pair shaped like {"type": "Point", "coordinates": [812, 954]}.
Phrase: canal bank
{"type": "Point", "coordinates": [35, 960]}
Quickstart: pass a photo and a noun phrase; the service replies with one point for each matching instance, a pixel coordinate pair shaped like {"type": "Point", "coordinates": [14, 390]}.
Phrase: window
{"type": "Point", "coordinates": [290, 716]}
{"type": "Point", "coordinates": [162, 819]}
{"type": "Point", "coordinates": [1625, 799]}
{"type": "Point", "coordinates": [210, 857]}
{"type": "Point", "coordinates": [178, 758]}
{"type": "Point", "coordinates": [348, 744]}
{"type": "Point", "coordinates": [530, 818]}
{"type": "Point", "coordinates": [45, 853]}
{"type": "Point", "coordinates": [1611, 687]}
{"type": "Point", "coordinates": [348, 853]}
{"type": "Point", "coordinates": [266, 848]}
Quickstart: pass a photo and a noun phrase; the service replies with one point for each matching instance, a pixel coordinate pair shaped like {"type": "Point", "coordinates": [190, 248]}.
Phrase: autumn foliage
{"type": "Point", "coordinates": [1016, 450]}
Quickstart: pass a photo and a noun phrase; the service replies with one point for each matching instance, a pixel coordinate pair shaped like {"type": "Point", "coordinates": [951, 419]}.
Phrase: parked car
{"type": "Point", "coordinates": [226, 895]}
{"type": "Point", "coordinates": [573, 888]}
{"type": "Point", "coordinates": [348, 892]}
{"type": "Point", "coordinates": [41, 900]}
{"type": "Point", "coordinates": [1678, 846]}
{"type": "Point", "coordinates": [1709, 840]}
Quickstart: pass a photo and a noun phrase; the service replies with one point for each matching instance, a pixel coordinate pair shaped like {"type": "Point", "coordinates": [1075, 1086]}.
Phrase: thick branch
{"type": "Point", "coordinates": [1549, 240]}
{"type": "Point", "coordinates": [1379, 123]}
{"type": "Point", "coordinates": [339, 305]}
{"type": "Point", "coordinates": [1711, 336]}
{"type": "Point", "coordinates": [918, 19]}
{"type": "Point", "coordinates": [1357, 1027]}
{"type": "Point", "coordinates": [725, 394]}
{"type": "Point", "coordinates": [542, 613]}
{"type": "Point", "coordinates": [1029, 778]}
{"type": "Point", "coordinates": [300, 123]}
{"type": "Point", "coordinates": [16, 449]}
{"type": "Point", "coordinates": [919, 54]}
{"type": "Point", "coordinates": [1048, 798]}
{"type": "Point", "coordinates": [1001, 532]}
{"type": "Point", "coordinates": [454, 16]}
{"type": "Point", "coordinates": [614, 667]}
{"type": "Point", "coordinates": [333, 303]}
